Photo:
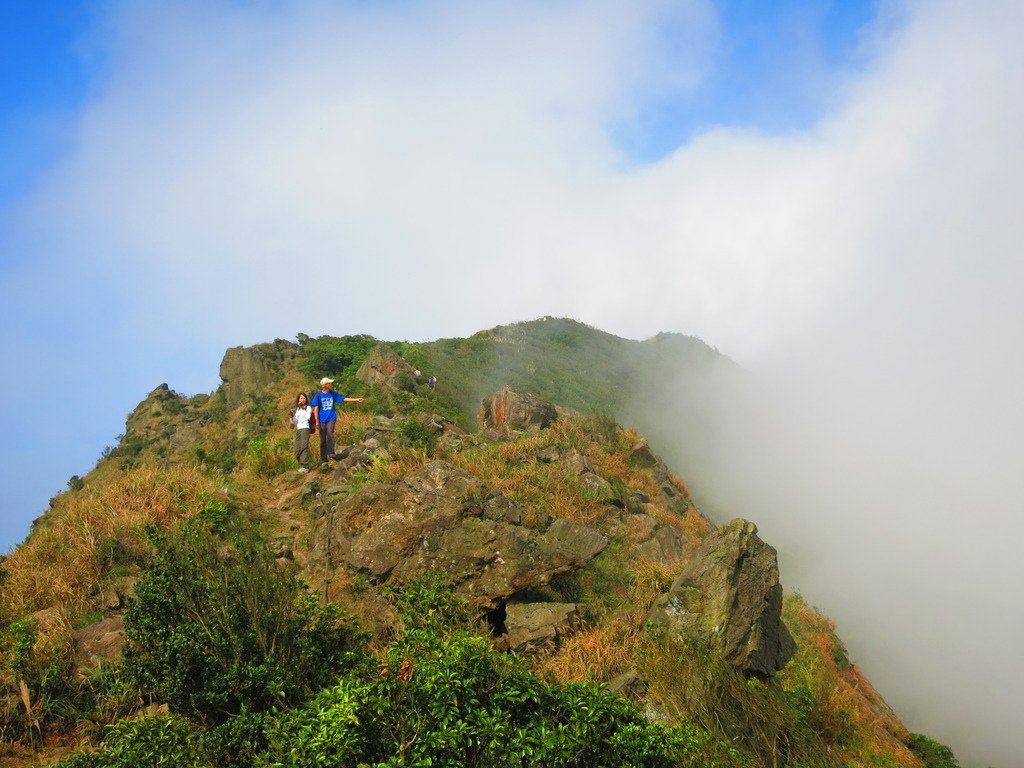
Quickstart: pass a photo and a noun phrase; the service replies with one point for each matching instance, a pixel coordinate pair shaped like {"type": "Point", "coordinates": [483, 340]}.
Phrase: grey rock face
{"type": "Point", "coordinates": [530, 625]}
{"type": "Point", "coordinates": [384, 366]}
{"type": "Point", "coordinates": [729, 595]}
{"type": "Point", "coordinates": [244, 371]}
{"type": "Point", "coordinates": [665, 545]}
{"type": "Point", "coordinates": [440, 520]}
{"type": "Point", "coordinates": [515, 410]}
{"type": "Point", "coordinates": [97, 642]}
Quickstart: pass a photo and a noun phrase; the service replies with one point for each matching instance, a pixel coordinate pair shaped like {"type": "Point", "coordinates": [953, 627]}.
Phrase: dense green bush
{"type": "Point", "coordinates": [419, 435]}
{"type": "Point", "coordinates": [218, 627]}
{"type": "Point", "coordinates": [145, 742]}
{"type": "Point", "coordinates": [456, 702]}
{"type": "Point", "coordinates": [445, 697]}
{"type": "Point", "coordinates": [334, 355]}
{"type": "Point", "coordinates": [931, 753]}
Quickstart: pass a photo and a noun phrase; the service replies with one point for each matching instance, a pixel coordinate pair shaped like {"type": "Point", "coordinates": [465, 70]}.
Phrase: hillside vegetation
{"type": "Point", "coordinates": [444, 593]}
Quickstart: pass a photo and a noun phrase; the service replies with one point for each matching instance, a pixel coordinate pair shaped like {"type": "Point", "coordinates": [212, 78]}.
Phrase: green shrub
{"type": "Point", "coordinates": [456, 702]}
{"type": "Point", "coordinates": [334, 355]}
{"type": "Point", "coordinates": [931, 753]}
{"type": "Point", "coordinates": [222, 460]}
{"type": "Point", "coordinates": [145, 742]}
{"type": "Point", "coordinates": [217, 627]}
{"type": "Point", "coordinates": [419, 435]}
{"type": "Point", "coordinates": [46, 676]}
{"type": "Point", "coordinates": [443, 696]}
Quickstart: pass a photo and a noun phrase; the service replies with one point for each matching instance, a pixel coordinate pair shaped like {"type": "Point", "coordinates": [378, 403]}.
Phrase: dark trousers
{"type": "Point", "coordinates": [302, 446]}
{"type": "Point", "coordinates": [326, 429]}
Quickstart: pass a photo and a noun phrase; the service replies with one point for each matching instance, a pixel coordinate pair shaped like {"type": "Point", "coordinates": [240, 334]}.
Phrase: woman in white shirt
{"type": "Point", "coordinates": [302, 418]}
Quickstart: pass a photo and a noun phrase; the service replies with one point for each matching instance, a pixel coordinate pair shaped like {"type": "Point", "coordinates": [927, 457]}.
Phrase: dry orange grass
{"type": "Point", "coordinates": [391, 465]}
{"type": "Point", "coordinates": [57, 566]}
{"type": "Point", "coordinates": [846, 700]}
{"type": "Point", "coordinates": [512, 469]}
{"type": "Point", "coordinates": [609, 647]}
{"type": "Point", "coordinates": [597, 654]}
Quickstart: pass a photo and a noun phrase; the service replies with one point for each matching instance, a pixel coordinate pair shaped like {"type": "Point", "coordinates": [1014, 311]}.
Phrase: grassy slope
{"type": "Point", "coordinates": [92, 537]}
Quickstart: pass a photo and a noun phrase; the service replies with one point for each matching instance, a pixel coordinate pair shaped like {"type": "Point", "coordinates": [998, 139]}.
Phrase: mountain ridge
{"type": "Point", "coordinates": [181, 457]}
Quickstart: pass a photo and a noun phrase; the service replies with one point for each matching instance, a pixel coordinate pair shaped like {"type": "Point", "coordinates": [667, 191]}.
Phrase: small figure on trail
{"type": "Point", "coordinates": [325, 410]}
{"type": "Point", "coordinates": [305, 424]}
{"type": "Point", "coordinates": [432, 382]}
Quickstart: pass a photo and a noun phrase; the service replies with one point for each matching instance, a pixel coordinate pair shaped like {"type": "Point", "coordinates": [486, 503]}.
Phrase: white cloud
{"type": "Point", "coordinates": [448, 165]}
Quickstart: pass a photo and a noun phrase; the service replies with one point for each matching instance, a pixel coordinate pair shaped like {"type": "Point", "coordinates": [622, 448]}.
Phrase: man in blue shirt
{"type": "Point", "coordinates": [325, 407]}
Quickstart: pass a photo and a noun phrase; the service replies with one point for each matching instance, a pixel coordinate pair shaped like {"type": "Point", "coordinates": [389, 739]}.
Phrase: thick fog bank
{"type": "Point", "coordinates": [885, 460]}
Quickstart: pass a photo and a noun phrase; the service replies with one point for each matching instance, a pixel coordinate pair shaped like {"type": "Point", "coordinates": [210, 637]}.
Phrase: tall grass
{"type": "Point", "coordinates": [60, 564]}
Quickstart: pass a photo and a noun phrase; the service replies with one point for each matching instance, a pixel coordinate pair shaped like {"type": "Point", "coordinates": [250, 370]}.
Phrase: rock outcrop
{"type": "Point", "coordinates": [246, 371]}
{"type": "Point", "coordinates": [532, 625]}
{"type": "Point", "coordinates": [729, 596]}
{"type": "Point", "coordinates": [98, 642]}
{"type": "Point", "coordinates": [440, 520]}
{"type": "Point", "coordinates": [386, 367]}
{"type": "Point", "coordinates": [515, 410]}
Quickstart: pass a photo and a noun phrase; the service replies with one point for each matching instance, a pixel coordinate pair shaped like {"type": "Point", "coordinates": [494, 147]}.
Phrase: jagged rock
{"type": "Point", "coordinates": [549, 455]}
{"type": "Point", "coordinates": [641, 455]}
{"type": "Point", "coordinates": [110, 599]}
{"type": "Point", "coordinates": [244, 371]}
{"type": "Point", "coordinates": [384, 366]}
{"type": "Point", "coordinates": [729, 595]}
{"type": "Point", "coordinates": [530, 625]}
{"type": "Point", "coordinates": [665, 545]}
{"type": "Point", "coordinates": [494, 436]}
{"type": "Point", "coordinates": [577, 463]}
{"type": "Point", "coordinates": [440, 520]}
{"type": "Point", "coordinates": [511, 410]}
{"type": "Point", "coordinates": [281, 548]}
{"type": "Point", "coordinates": [98, 642]}
{"type": "Point", "coordinates": [597, 485]}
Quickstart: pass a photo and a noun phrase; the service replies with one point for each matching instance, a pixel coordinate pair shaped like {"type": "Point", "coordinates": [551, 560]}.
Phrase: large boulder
{"type": "Point", "coordinates": [531, 625]}
{"type": "Point", "coordinates": [439, 520]}
{"type": "Point", "coordinates": [515, 410]}
{"type": "Point", "coordinates": [729, 596]}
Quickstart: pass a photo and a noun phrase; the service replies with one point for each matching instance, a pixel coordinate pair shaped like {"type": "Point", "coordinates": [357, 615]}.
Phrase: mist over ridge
{"type": "Point", "coordinates": [454, 166]}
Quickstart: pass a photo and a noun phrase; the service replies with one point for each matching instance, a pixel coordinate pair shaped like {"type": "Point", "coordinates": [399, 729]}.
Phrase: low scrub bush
{"type": "Point", "coordinates": [931, 753]}
{"type": "Point", "coordinates": [454, 701]}
{"type": "Point", "coordinates": [442, 696]}
{"type": "Point", "coordinates": [334, 355]}
{"type": "Point", "coordinates": [218, 627]}
{"type": "Point", "coordinates": [145, 741]}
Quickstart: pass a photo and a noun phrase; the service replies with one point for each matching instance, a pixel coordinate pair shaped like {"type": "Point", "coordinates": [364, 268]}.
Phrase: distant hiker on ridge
{"type": "Point", "coordinates": [302, 418]}
{"type": "Point", "coordinates": [325, 412]}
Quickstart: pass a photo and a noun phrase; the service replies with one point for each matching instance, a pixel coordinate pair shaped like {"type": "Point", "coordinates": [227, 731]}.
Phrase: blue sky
{"type": "Point", "coordinates": [827, 191]}
{"type": "Point", "coordinates": [768, 66]}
